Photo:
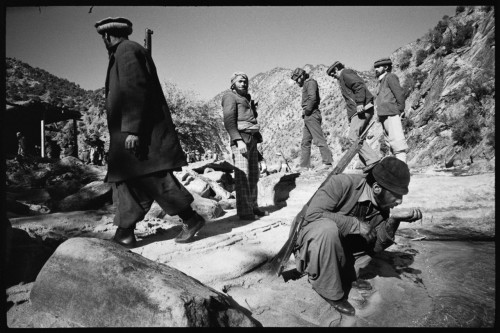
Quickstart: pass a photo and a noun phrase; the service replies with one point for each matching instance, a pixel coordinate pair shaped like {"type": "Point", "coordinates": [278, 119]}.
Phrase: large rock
{"type": "Point", "coordinates": [199, 186]}
{"type": "Point", "coordinates": [96, 283]}
{"type": "Point", "coordinates": [275, 189]}
{"type": "Point", "coordinates": [92, 195]}
{"type": "Point", "coordinates": [209, 209]}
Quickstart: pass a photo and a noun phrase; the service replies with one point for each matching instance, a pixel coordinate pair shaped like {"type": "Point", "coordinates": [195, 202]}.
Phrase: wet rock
{"type": "Point", "coordinates": [96, 283]}
{"type": "Point", "coordinates": [92, 195]}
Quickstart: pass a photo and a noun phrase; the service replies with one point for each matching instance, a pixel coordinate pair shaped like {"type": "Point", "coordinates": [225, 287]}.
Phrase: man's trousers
{"type": "Point", "coordinates": [246, 176]}
{"type": "Point", "coordinates": [394, 134]}
{"type": "Point", "coordinates": [135, 197]}
{"type": "Point", "coordinates": [312, 132]}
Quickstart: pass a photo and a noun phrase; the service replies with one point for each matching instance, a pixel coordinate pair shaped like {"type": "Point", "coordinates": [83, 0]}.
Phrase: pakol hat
{"type": "Point", "coordinates": [383, 62]}
{"type": "Point", "coordinates": [114, 23]}
{"type": "Point", "coordinates": [297, 73]}
{"type": "Point", "coordinates": [392, 174]}
{"type": "Point", "coordinates": [330, 69]}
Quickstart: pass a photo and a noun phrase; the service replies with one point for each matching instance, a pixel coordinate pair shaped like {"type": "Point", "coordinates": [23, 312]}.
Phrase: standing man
{"type": "Point", "coordinates": [312, 122]}
{"type": "Point", "coordinates": [347, 221]}
{"type": "Point", "coordinates": [389, 105]}
{"type": "Point", "coordinates": [359, 102]}
{"type": "Point", "coordinates": [240, 120]}
{"type": "Point", "coordinates": [144, 149]}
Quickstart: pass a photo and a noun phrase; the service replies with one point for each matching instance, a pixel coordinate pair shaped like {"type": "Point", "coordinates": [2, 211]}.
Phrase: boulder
{"type": "Point", "coordinates": [96, 283]}
{"type": "Point", "coordinates": [209, 209]}
{"type": "Point", "coordinates": [199, 186]}
{"type": "Point", "coordinates": [275, 189]}
{"type": "Point", "coordinates": [92, 195]}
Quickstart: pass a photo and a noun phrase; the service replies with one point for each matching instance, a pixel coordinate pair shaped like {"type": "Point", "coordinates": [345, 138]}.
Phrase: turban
{"type": "Point", "coordinates": [392, 174]}
{"type": "Point", "coordinates": [115, 24]}
{"type": "Point", "coordinates": [235, 76]}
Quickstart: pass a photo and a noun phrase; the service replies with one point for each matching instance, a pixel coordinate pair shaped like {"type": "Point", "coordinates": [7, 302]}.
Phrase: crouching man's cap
{"type": "Point", "coordinates": [297, 73]}
{"type": "Point", "coordinates": [330, 69]}
{"type": "Point", "coordinates": [392, 174]}
{"type": "Point", "coordinates": [115, 24]}
{"type": "Point", "coordinates": [383, 62]}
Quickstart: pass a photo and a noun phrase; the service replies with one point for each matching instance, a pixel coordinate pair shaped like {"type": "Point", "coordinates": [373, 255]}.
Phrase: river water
{"type": "Point", "coordinates": [460, 279]}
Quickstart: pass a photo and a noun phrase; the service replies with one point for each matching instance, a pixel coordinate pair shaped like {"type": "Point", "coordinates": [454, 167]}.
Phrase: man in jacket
{"type": "Point", "coordinates": [144, 149]}
{"type": "Point", "coordinates": [347, 221]}
{"type": "Point", "coordinates": [240, 120]}
{"type": "Point", "coordinates": [359, 102]}
{"type": "Point", "coordinates": [312, 122]}
{"type": "Point", "coordinates": [389, 105]}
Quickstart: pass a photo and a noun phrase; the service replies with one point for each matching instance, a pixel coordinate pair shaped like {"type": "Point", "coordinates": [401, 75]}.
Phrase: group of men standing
{"type": "Point", "coordinates": [361, 106]}
{"type": "Point", "coordinates": [348, 217]}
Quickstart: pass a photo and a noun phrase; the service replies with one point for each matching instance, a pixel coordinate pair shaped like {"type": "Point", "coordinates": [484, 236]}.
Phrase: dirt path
{"type": "Point", "coordinates": [231, 256]}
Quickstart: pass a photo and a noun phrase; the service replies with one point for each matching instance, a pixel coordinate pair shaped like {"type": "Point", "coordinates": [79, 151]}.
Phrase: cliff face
{"type": "Point", "coordinates": [449, 78]}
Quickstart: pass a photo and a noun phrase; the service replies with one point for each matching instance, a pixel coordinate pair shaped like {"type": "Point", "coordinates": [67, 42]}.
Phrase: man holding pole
{"type": "Point", "coordinates": [359, 102]}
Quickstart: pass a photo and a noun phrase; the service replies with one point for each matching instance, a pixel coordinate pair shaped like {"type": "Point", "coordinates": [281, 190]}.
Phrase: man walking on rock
{"type": "Point", "coordinates": [312, 122]}
{"type": "Point", "coordinates": [144, 149]}
{"type": "Point", "coordinates": [389, 105]}
{"type": "Point", "coordinates": [359, 103]}
{"type": "Point", "coordinates": [347, 221]}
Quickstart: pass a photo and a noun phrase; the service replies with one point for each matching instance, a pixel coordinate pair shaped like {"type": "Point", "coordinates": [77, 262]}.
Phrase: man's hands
{"type": "Point", "coordinates": [412, 216]}
{"type": "Point", "coordinates": [132, 142]}
{"type": "Point", "coordinates": [242, 147]}
{"type": "Point", "coordinates": [366, 231]}
{"type": "Point", "coordinates": [360, 109]}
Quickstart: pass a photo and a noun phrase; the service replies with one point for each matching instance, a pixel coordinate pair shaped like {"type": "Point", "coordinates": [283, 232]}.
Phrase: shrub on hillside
{"type": "Point", "coordinates": [459, 9]}
{"type": "Point", "coordinates": [463, 36]}
{"type": "Point", "coordinates": [419, 76]}
{"type": "Point", "coordinates": [420, 57]}
{"type": "Point", "coordinates": [408, 84]}
{"type": "Point", "coordinates": [404, 60]}
{"type": "Point", "coordinates": [407, 124]}
{"type": "Point", "coordinates": [466, 131]}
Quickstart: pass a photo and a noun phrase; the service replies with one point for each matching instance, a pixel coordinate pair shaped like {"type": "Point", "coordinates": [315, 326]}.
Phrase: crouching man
{"type": "Point", "coordinates": [348, 220]}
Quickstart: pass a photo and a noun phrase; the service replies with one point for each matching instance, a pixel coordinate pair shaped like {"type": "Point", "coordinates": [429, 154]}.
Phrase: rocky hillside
{"type": "Point", "coordinates": [448, 75]}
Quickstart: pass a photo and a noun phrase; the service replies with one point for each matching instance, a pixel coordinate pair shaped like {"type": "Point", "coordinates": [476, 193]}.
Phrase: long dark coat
{"type": "Point", "coordinates": [135, 104]}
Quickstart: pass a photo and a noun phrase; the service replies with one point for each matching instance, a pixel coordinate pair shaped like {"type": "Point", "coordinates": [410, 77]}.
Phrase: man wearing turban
{"type": "Point", "coordinates": [144, 149]}
{"type": "Point", "coordinates": [240, 121]}
{"type": "Point", "coordinates": [347, 221]}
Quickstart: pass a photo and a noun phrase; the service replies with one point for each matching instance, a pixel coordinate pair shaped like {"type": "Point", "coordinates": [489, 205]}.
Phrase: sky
{"type": "Point", "coordinates": [198, 48]}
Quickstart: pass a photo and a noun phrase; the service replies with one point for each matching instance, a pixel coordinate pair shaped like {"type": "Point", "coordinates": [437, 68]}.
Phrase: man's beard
{"type": "Point", "coordinates": [377, 74]}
